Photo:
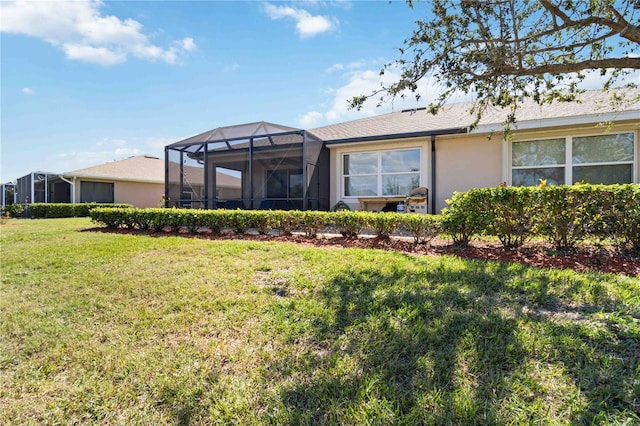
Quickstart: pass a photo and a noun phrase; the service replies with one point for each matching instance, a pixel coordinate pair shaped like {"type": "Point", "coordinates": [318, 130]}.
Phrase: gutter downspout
{"type": "Point", "coordinates": [433, 174]}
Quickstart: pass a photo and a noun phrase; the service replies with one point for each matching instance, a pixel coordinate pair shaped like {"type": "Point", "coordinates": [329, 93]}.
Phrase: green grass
{"type": "Point", "coordinates": [101, 328]}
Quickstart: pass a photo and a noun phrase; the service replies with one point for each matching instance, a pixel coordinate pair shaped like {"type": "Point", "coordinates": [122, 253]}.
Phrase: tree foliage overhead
{"type": "Point", "coordinates": [503, 50]}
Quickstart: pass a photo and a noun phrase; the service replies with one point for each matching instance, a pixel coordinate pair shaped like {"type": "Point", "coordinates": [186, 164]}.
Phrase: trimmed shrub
{"type": "Point", "coordinates": [622, 220]}
{"type": "Point", "coordinates": [350, 223]}
{"type": "Point", "coordinates": [383, 223]}
{"type": "Point", "coordinates": [262, 220]}
{"type": "Point", "coordinates": [465, 216]}
{"type": "Point", "coordinates": [110, 217]}
{"type": "Point", "coordinates": [423, 227]}
{"type": "Point", "coordinates": [509, 211]}
{"type": "Point", "coordinates": [288, 221]}
{"type": "Point", "coordinates": [239, 221]}
{"type": "Point", "coordinates": [15, 210]}
{"type": "Point", "coordinates": [566, 215]}
{"type": "Point", "coordinates": [215, 220]}
{"type": "Point", "coordinates": [313, 221]}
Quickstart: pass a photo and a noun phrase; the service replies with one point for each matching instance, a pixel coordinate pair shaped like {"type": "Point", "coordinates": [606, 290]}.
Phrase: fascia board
{"type": "Point", "coordinates": [548, 123]}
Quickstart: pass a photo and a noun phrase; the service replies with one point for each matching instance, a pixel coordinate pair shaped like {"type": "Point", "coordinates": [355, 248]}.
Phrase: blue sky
{"type": "Point", "coordinates": [88, 82]}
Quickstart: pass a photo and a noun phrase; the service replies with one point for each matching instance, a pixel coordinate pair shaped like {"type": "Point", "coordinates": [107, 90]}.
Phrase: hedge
{"type": "Point", "coordinates": [60, 210]}
{"type": "Point", "coordinates": [422, 227]}
{"type": "Point", "coordinates": [563, 215]}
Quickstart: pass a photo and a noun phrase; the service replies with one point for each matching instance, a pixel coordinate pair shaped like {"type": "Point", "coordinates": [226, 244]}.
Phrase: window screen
{"type": "Point", "coordinates": [96, 192]}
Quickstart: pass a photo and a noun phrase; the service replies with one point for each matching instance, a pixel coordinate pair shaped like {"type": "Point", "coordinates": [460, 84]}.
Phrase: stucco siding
{"type": "Point", "coordinates": [139, 194]}
{"type": "Point", "coordinates": [466, 162]}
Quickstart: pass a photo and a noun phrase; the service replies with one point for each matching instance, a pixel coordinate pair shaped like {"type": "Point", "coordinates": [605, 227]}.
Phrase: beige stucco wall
{"type": "Point", "coordinates": [466, 162]}
{"type": "Point", "coordinates": [139, 194]}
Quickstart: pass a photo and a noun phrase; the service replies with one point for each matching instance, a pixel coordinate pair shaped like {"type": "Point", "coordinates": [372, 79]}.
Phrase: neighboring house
{"type": "Point", "coordinates": [370, 162]}
{"type": "Point", "coordinates": [138, 181]}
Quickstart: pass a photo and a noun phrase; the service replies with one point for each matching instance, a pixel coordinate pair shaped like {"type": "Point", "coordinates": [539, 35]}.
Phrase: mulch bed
{"type": "Point", "coordinates": [587, 258]}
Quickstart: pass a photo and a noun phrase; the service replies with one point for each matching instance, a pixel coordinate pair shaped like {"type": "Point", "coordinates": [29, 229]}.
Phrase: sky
{"type": "Point", "coordinates": [86, 82]}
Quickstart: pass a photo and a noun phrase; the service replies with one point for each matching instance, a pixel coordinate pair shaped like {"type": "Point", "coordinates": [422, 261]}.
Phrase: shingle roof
{"type": "Point", "coordinates": [456, 116]}
{"type": "Point", "coordinates": [141, 168]}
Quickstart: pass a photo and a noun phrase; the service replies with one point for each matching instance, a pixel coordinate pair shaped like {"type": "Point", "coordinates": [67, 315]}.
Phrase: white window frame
{"type": "Point", "coordinates": [379, 173]}
{"type": "Point", "coordinates": [568, 164]}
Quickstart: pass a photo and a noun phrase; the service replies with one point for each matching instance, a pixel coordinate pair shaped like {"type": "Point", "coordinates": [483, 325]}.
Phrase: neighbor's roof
{"type": "Point", "coordinates": [141, 168]}
{"type": "Point", "coordinates": [594, 107]}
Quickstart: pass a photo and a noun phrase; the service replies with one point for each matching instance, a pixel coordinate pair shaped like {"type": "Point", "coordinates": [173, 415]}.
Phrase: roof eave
{"type": "Point", "coordinates": [424, 133]}
{"type": "Point", "coordinates": [109, 178]}
{"type": "Point", "coordinates": [544, 123]}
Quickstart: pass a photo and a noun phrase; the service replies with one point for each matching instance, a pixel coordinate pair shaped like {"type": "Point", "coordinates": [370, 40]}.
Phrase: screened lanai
{"type": "Point", "coordinates": [278, 167]}
{"type": "Point", "coordinates": [42, 187]}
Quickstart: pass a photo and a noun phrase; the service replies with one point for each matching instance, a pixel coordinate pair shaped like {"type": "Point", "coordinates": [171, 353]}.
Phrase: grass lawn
{"type": "Point", "coordinates": [132, 329]}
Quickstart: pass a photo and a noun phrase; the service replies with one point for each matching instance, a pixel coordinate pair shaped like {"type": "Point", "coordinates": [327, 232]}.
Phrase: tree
{"type": "Point", "coordinates": [504, 50]}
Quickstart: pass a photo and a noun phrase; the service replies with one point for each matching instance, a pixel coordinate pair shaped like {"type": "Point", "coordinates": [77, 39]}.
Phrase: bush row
{"type": "Point", "coordinates": [59, 210]}
{"type": "Point", "coordinates": [563, 215]}
{"type": "Point", "coordinates": [423, 228]}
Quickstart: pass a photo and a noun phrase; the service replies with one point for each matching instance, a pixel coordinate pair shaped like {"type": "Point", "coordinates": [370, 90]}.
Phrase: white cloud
{"type": "Point", "coordinates": [334, 68]}
{"type": "Point", "coordinates": [310, 119]}
{"type": "Point", "coordinates": [27, 91]}
{"type": "Point", "coordinates": [307, 25]}
{"type": "Point", "coordinates": [83, 32]}
{"type": "Point", "coordinates": [355, 65]}
{"type": "Point", "coordinates": [188, 44]}
{"type": "Point", "coordinates": [94, 55]}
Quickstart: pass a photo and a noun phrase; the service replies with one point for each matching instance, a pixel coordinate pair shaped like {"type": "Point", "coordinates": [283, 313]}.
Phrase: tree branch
{"type": "Point", "coordinates": [622, 26]}
{"type": "Point", "coordinates": [608, 63]}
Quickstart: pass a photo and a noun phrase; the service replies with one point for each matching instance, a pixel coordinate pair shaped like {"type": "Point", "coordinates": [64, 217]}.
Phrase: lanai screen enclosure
{"type": "Point", "coordinates": [279, 168]}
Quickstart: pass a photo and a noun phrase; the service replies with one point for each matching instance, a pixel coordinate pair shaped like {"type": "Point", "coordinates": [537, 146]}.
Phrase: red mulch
{"type": "Point", "coordinates": [588, 258]}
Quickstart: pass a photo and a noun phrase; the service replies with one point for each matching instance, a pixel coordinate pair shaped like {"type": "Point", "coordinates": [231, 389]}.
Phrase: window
{"type": "Point", "coordinates": [596, 159]}
{"type": "Point", "coordinates": [284, 184]}
{"type": "Point", "coordinates": [96, 192]}
{"type": "Point", "coordinates": [381, 173]}
{"type": "Point", "coordinates": [603, 159]}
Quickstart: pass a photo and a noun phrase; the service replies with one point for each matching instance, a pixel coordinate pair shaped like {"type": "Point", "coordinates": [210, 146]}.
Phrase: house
{"type": "Point", "coordinates": [137, 180]}
{"type": "Point", "coordinates": [562, 143]}
{"type": "Point", "coordinates": [370, 162]}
